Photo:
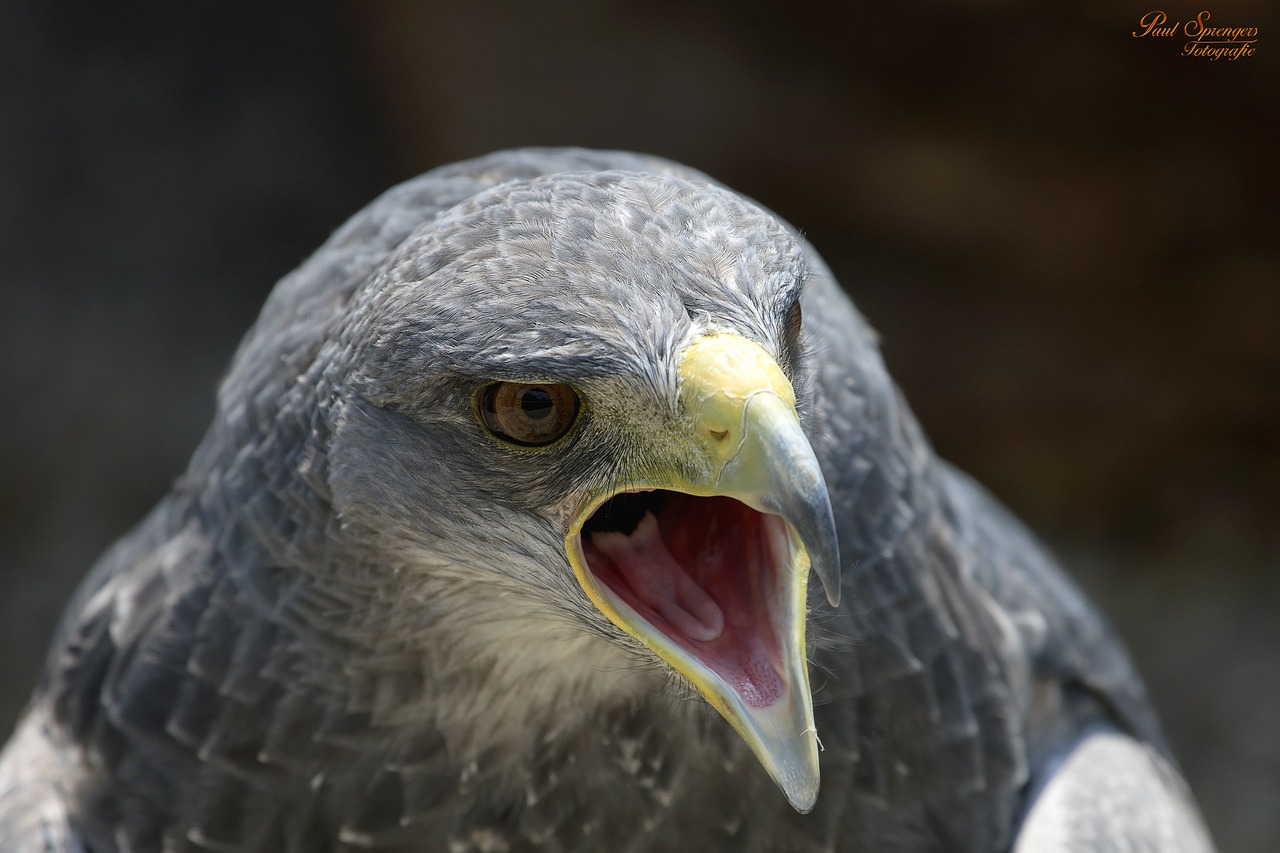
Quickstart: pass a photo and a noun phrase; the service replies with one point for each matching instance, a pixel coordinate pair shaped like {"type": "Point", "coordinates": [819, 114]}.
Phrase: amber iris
{"type": "Point", "coordinates": [528, 414]}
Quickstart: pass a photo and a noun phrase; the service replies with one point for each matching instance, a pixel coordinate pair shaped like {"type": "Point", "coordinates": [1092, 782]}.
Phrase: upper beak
{"type": "Point", "coordinates": [745, 411]}
{"type": "Point", "coordinates": [746, 434]}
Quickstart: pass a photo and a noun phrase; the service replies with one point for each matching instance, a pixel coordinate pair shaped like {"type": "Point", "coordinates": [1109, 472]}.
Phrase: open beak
{"type": "Point", "coordinates": [707, 563]}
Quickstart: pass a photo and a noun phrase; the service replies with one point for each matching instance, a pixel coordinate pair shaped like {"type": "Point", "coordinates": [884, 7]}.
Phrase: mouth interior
{"type": "Point", "coordinates": [706, 572]}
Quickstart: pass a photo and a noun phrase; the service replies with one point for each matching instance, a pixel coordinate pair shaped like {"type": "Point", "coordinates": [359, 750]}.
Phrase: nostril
{"type": "Point", "coordinates": [718, 434]}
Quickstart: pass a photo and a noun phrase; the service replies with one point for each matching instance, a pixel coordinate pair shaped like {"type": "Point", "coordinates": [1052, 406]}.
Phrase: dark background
{"type": "Point", "coordinates": [1069, 239]}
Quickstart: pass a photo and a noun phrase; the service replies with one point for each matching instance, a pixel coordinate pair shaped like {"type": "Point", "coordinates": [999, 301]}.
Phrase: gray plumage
{"type": "Point", "coordinates": [352, 624]}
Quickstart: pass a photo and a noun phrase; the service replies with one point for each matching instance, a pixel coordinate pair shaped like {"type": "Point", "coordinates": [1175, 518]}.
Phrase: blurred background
{"type": "Point", "coordinates": [1068, 238]}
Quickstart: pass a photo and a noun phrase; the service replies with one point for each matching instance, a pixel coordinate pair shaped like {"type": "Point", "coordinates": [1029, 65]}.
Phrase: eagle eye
{"type": "Point", "coordinates": [795, 318]}
{"type": "Point", "coordinates": [527, 413]}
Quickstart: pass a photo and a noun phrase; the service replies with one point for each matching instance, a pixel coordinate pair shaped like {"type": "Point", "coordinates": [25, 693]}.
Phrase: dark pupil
{"type": "Point", "coordinates": [536, 403]}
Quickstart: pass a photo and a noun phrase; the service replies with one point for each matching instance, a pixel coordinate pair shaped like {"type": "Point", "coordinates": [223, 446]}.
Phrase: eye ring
{"type": "Point", "coordinates": [528, 414]}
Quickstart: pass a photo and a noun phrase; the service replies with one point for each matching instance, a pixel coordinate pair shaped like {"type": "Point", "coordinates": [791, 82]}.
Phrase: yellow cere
{"type": "Point", "coordinates": [719, 374]}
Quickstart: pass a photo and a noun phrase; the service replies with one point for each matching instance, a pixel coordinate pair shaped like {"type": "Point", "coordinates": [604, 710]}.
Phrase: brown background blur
{"type": "Point", "coordinates": [1069, 239]}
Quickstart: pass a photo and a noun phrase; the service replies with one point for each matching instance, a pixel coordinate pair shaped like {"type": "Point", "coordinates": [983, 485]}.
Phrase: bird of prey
{"type": "Point", "coordinates": [501, 540]}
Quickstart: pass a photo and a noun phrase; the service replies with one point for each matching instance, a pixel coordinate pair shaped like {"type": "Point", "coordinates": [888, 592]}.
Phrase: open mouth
{"type": "Point", "coordinates": [705, 559]}
{"type": "Point", "coordinates": [708, 573]}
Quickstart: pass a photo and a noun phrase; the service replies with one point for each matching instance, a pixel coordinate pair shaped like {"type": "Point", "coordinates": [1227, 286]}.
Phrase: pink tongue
{"type": "Point", "coordinates": [659, 580]}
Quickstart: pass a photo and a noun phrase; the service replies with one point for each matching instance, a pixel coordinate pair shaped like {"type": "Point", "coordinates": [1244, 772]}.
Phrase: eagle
{"type": "Point", "coordinates": [501, 540]}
